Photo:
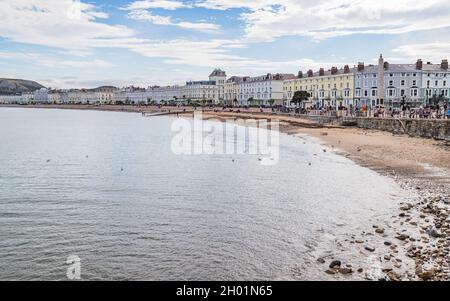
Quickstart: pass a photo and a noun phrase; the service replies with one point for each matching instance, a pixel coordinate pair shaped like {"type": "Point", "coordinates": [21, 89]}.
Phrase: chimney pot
{"type": "Point", "coordinates": [321, 72]}
{"type": "Point", "coordinates": [346, 69]}
{"type": "Point", "coordinates": [444, 64]}
{"type": "Point", "coordinates": [419, 64]}
{"type": "Point", "coordinates": [360, 66]}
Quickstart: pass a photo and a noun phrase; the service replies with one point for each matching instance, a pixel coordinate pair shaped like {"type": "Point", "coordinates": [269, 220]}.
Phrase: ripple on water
{"type": "Point", "coordinates": [167, 217]}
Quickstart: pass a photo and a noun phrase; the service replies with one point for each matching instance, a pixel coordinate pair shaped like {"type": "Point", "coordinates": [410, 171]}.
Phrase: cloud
{"type": "Point", "coordinates": [64, 24]}
{"type": "Point", "coordinates": [266, 21]}
{"type": "Point", "coordinates": [144, 15]}
{"type": "Point", "coordinates": [42, 60]}
{"type": "Point", "coordinates": [161, 4]}
{"type": "Point", "coordinates": [435, 51]}
{"type": "Point", "coordinates": [214, 53]}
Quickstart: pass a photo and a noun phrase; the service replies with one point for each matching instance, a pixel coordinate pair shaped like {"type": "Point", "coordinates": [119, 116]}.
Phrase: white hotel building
{"type": "Point", "coordinates": [208, 91]}
{"type": "Point", "coordinates": [435, 81]}
{"type": "Point", "coordinates": [261, 90]}
{"type": "Point", "coordinates": [391, 85]}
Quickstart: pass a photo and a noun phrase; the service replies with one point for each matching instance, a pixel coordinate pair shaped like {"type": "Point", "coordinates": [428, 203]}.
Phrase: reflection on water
{"type": "Point", "coordinates": [106, 187]}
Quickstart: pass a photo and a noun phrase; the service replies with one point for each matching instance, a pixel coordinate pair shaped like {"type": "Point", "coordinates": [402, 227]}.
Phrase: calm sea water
{"type": "Point", "coordinates": [106, 187]}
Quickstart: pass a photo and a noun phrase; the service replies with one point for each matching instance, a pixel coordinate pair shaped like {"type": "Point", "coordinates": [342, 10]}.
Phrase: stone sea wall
{"type": "Point", "coordinates": [428, 128]}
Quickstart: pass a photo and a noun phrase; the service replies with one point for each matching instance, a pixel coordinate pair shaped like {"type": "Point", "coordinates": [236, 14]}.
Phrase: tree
{"type": "Point", "coordinates": [300, 96]}
{"type": "Point", "coordinates": [271, 102]}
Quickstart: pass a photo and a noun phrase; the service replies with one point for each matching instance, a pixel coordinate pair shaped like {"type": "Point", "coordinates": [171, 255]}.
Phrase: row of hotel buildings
{"type": "Point", "coordinates": [374, 85]}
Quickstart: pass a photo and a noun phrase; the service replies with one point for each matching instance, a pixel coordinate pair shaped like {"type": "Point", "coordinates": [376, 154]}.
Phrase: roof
{"type": "Point", "coordinates": [218, 72]}
{"type": "Point", "coordinates": [270, 77]}
{"type": "Point", "coordinates": [434, 67]}
{"type": "Point", "coordinates": [203, 83]}
{"type": "Point", "coordinates": [236, 79]}
{"type": "Point", "coordinates": [405, 68]}
{"type": "Point", "coordinates": [328, 72]}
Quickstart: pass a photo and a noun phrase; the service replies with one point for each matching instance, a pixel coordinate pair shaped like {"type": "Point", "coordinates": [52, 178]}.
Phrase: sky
{"type": "Point", "coordinates": [89, 43]}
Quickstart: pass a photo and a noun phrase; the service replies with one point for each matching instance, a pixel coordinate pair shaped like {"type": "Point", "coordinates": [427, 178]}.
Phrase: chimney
{"type": "Point", "coordinates": [300, 74]}
{"type": "Point", "coordinates": [346, 69]}
{"type": "Point", "coordinates": [310, 73]}
{"type": "Point", "coordinates": [444, 64]}
{"type": "Point", "coordinates": [386, 65]}
{"type": "Point", "coordinates": [419, 64]}
{"type": "Point", "coordinates": [334, 70]}
{"type": "Point", "coordinates": [321, 72]}
{"type": "Point", "coordinates": [360, 66]}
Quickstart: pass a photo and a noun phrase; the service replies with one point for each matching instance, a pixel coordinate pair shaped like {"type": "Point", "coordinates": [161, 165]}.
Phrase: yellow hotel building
{"type": "Point", "coordinates": [334, 87]}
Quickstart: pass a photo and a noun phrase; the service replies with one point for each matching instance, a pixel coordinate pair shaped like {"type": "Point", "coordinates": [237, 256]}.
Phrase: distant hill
{"type": "Point", "coordinates": [14, 86]}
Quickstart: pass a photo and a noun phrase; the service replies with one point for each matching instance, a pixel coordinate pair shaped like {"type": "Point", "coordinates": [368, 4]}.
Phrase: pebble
{"type": "Point", "coordinates": [335, 264]}
{"type": "Point", "coordinates": [370, 249]}
{"type": "Point", "coordinates": [427, 275]}
{"type": "Point", "coordinates": [402, 237]}
{"type": "Point", "coordinates": [345, 271]}
{"type": "Point", "coordinates": [434, 233]}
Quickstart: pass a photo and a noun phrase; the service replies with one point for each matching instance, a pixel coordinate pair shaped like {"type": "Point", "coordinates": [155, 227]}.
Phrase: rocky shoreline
{"type": "Point", "coordinates": [414, 246]}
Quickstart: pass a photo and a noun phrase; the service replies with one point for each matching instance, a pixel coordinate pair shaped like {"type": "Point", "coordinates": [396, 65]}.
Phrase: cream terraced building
{"type": "Point", "coordinates": [232, 89]}
{"type": "Point", "coordinates": [334, 87]}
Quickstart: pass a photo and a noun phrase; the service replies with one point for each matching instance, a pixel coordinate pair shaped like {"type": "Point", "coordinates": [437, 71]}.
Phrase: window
{"type": "Point", "coordinates": [374, 93]}
{"type": "Point", "coordinates": [391, 83]}
{"type": "Point", "coordinates": [414, 83]}
{"type": "Point", "coordinates": [403, 82]}
{"type": "Point", "coordinates": [436, 83]}
{"type": "Point", "coordinates": [402, 92]}
{"type": "Point", "coordinates": [444, 83]}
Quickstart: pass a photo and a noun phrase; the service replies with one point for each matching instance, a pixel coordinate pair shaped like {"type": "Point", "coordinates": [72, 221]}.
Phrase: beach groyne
{"type": "Point", "coordinates": [427, 128]}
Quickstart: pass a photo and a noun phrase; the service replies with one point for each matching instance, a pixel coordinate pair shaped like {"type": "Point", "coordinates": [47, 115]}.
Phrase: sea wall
{"type": "Point", "coordinates": [428, 128]}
